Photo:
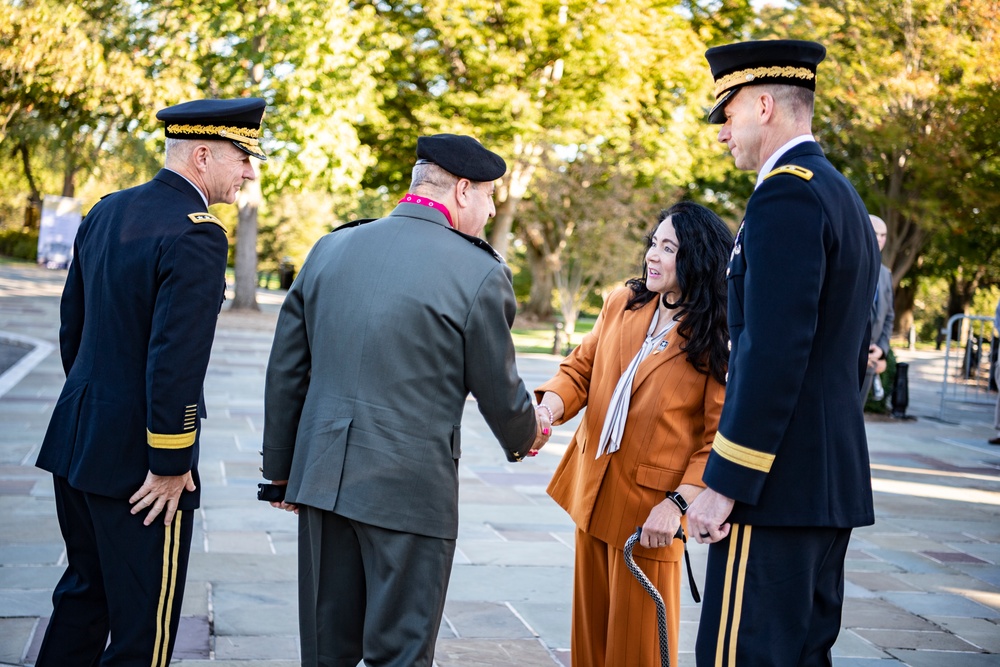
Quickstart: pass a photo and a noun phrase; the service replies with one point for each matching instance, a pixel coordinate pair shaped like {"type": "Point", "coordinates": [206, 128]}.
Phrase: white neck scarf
{"type": "Point", "coordinates": [614, 421]}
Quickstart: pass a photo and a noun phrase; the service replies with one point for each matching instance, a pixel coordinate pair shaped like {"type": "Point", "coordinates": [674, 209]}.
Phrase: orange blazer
{"type": "Point", "coordinates": [673, 415]}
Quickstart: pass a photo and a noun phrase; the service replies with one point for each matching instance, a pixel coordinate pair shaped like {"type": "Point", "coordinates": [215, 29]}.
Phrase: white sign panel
{"type": "Point", "coordinates": [61, 218]}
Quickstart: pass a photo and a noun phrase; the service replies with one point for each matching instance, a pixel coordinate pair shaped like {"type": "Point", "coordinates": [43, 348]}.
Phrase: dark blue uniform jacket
{"type": "Point", "coordinates": [791, 447]}
{"type": "Point", "coordinates": [138, 316]}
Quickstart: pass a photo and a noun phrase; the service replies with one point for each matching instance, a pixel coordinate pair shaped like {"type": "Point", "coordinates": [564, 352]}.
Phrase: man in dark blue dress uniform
{"type": "Point", "coordinates": [138, 316]}
{"type": "Point", "coordinates": [788, 477]}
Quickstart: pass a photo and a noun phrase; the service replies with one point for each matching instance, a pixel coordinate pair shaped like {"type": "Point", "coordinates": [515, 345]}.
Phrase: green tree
{"type": "Point", "coordinates": [295, 220]}
{"type": "Point", "coordinates": [585, 220]}
{"type": "Point", "coordinates": [73, 89]}
{"type": "Point", "coordinates": [300, 57]}
{"type": "Point", "coordinates": [527, 78]}
{"type": "Point", "coordinates": [719, 21]}
{"type": "Point", "coordinates": [901, 108]}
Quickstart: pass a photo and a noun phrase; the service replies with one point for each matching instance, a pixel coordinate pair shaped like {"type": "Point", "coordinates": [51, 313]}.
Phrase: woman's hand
{"type": "Point", "coordinates": [661, 525]}
{"type": "Point", "coordinates": [547, 412]}
{"type": "Point", "coordinates": [543, 428]}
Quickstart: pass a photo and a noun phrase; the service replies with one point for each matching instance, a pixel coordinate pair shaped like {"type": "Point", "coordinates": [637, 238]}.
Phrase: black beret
{"type": "Point", "coordinates": [462, 156]}
{"type": "Point", "coordinates": [236, 120]}
{"type": "Point", "coordinates": [787, 61]}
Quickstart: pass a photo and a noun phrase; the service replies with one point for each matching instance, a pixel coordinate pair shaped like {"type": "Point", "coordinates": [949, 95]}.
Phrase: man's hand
{"type": "Point", "coordinates": [707, 516]}
{"type": "Point", "coordinates": [874, 354]}
{"type": "Point", "coordinates": [160, 494]}
{"type": "Point", "coordinates": [661, 525]}
{"type": "Point", "coordinates": [282, 505]}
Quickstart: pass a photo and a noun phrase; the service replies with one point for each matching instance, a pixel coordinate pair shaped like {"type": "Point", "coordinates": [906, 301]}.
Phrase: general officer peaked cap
{"type": "Point", "coordinates": [790, 62]}
{"type": "Point", "coordinates": [462, 156]}
{"type": "Point", "coordinates": [236, 120]}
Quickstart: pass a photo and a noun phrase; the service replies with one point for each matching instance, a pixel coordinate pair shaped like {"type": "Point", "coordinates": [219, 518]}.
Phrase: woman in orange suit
{"type": "Point", "coordinates": [652, 375]}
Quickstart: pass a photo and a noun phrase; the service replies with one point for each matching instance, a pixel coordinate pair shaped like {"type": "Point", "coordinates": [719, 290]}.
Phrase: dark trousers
{"type": "Point", "coordinates": [773, 597]}
{"type": "Point", "coordinates": [123, 580]}
{"type": "Point", "coordinates": [368, 593]}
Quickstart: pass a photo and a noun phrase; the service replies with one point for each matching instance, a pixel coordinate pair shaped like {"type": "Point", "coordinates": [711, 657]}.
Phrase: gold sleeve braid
{"type": "Point", "coordinates": [171, 440]}
{"type": "Point", "coordinates": [742, 456]}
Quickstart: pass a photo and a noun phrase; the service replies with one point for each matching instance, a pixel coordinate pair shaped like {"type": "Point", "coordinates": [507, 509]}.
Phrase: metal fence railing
{"type": "Point", "coordinates": [968, 368]}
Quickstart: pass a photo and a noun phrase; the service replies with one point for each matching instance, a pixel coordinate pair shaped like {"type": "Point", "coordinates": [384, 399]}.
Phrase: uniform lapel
{"type": "Point", "coordinates": [635, 324]}
{"type": "Point", "coordinates": [657, 357]}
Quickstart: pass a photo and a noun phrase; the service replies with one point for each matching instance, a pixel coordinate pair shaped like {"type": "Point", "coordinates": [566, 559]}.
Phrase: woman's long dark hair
{"type": "Point", "coordinates": [702, 256]}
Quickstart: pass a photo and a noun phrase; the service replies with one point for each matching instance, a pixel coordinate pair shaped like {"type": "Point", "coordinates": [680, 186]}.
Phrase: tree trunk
{"type": "Point", "coordinates": [905, 239]}
{"type": "Point", "coordinates": [902, 304]}
{"type": "Point", "coordinates": [69, 182]}
{"type": "Point", "coordinates": [71, 165]}
{"type": "Point", "coordinates": [33, 212]}
{"type": "Point", "coordinates": [512, 190]}
{"type": "Point", "coordinates": [570, 313]}
{"type": "Point", "coordinates": [960, 293]}
{"type": "Point", "coordinates": [248, 201]}
{"type": "Point", "coordinates": [539, 304]}
{"type": "Point", "coordinates": [503, 222]}
{"type": "Point", "coordinates": [570, 300]}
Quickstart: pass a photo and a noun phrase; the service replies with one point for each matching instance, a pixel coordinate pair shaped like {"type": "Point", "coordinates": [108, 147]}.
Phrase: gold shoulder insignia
{"type": "Point", "coordinates": [198, 218]}
{"type": "Point", "coordinates": [795, 170]}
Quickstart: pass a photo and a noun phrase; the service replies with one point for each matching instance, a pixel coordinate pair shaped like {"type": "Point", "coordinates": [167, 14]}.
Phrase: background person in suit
{"type": "Point", "coordinates": [996, 375]}
{"type": "Point", "coordinates": [385, 332]}
{"type": "Point", "coordinates": [882, 316]}
{"type": "Point", "coordinates": [651, 375]}
{"type": "Point", "coordinates": [138, 313]}
{"type": "Point", "coordinates": [788, 476]}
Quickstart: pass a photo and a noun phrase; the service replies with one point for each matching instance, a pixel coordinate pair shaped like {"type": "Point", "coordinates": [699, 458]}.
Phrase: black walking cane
{"type": "Point", "coordinates": [661, 609]}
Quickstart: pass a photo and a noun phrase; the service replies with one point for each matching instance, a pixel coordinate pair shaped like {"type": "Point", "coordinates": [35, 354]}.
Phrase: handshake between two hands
{"type": "Point", "coordinates": [543, 428]}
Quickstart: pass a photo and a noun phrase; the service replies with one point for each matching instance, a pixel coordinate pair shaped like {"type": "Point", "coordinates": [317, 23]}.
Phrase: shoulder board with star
{"type": "Point", "coordinates": [481, 244]}
{"type": "Point", "coordinates": [198, 218]}
{"type": "Point", "coordinates": [792, 169]}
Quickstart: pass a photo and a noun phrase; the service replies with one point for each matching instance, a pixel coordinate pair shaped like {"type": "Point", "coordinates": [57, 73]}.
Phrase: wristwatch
{"type": "Point", "coordinates": [678, 500]}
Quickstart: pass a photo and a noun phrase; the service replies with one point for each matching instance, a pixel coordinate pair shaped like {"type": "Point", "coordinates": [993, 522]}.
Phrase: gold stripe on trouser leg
{"type": "Point", "coordinates": [741, 575]}
{"type": "Point", "coordinates": [173, 585]}
{"type": "Point", "coordinates": [728, 594]}
{"type": "Point", "coordinates": [171, 547]}
{"type": "Point", "coordinates": [724, 605]}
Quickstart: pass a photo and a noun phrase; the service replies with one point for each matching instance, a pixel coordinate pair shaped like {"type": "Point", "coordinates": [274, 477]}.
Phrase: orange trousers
{"type": "Point", "coordinates": [614, 619]}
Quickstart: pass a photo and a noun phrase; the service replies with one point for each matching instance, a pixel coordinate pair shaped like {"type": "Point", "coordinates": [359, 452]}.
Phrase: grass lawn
{"type": "Point", "coordinates": [538, 339]}
{"type": "Point", "coordinates": [15, 260]}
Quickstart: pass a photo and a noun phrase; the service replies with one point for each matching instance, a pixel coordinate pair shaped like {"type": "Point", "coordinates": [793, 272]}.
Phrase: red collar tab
{"type": "Point", "coordinates": [424, 201]}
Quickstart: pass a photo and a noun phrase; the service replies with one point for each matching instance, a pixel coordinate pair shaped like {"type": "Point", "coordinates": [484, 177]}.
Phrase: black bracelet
{"type": "Point", "coordinates": [678, 500]}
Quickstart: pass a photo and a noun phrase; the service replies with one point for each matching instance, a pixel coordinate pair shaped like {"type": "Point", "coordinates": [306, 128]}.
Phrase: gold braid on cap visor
{"type": "Point", "coordinates": [241, 134]}
{"type": "Point", "coordinates": [748, 75]}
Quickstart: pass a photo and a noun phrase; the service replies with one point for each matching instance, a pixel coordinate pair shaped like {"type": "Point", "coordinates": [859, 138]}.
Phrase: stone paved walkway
{"type": "Point", "coordinates": [923, 582]}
